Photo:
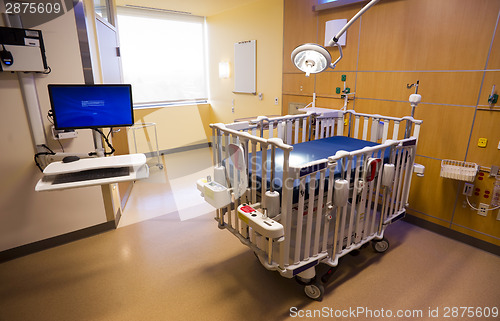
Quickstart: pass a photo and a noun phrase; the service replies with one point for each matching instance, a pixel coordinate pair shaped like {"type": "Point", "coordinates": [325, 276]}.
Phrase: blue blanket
{"type": "Point", "coordinates": [306, 152]}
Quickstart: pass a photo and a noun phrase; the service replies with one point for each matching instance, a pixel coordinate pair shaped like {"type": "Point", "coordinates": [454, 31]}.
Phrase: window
{"type": "Point", "coordinates": [163, 56]}
{"type": "Point", "coordinates": [101, 8]}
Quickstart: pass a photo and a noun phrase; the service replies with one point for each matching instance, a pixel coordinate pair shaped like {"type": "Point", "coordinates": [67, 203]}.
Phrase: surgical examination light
{"type": "Point", "coordinates": [312, 58]}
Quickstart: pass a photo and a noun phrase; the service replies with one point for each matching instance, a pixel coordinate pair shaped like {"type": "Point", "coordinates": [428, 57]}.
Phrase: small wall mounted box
{"type": "Point", "coordinates": [482, 142]}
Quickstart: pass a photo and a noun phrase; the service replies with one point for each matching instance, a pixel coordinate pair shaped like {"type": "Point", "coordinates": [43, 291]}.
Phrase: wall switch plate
{"type": "Point", "coordinates": [494, 170]}
{"type": "Point", "coordinates": [468, 189]}
{"type": "Point", "coordinates": [483, 209]}
{"type": "Point", "coordinates": [276, 100]}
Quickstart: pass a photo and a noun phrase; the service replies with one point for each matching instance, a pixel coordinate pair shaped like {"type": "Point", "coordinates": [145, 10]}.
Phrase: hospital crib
{"type": "Point", "coordinates": [318, 186]}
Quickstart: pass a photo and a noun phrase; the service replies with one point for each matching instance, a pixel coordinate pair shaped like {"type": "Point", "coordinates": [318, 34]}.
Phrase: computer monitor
{"type": "Point", "coordinates": [91, 106]}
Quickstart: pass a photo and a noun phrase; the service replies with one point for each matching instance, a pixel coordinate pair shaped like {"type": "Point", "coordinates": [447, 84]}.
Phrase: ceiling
{"type": "Point", "coordinates": [196, 7]}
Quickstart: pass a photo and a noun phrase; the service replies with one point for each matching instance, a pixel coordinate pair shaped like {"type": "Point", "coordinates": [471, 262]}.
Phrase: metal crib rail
{"type": "Point", "coordinates": [326, 232]}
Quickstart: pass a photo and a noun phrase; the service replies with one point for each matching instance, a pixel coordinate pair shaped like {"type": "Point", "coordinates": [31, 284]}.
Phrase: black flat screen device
{"type": "Point", "coordinates": [91, 106]}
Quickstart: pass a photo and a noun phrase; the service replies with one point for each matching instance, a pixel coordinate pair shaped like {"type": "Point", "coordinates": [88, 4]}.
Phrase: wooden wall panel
{"type": "Point", "coordinates": [486, 125]}
{"type": "Point", "coordinates": [335, 103]}
{"type": "Point", "coordinates": [386, 108]}
{"type": "Point", "coordinates": [300, 26]}
{"type": "Point", "coordinates": [327, 82]}
{"type": "Point", "coordinates": [490, 78]}
{"type": "Point", "coordinates": [350, 50]}
{"type": "Point", "coordinates": [432, 194]}
{"type": "Point", "coordinates": [298, 84]}
{"type": "Point", "coordinates": [427, 35]}
{"type": "Point", "coordinates": [444, 44]}
{"type": "Point", "coordinates": [445, 131]}
{"type": "Point", "coordinates": [456, 88]}
{"type": "Point", "coordinates": [294, 99]}
{"type": "Point", "coordinates": [467, 217]}
{"type": "Point", "coordinates": [494, 61]}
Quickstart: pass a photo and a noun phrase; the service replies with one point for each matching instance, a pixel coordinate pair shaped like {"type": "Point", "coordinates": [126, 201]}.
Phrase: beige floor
{"type": "Point", "coordinates": [169, 261]}
{"type": "Point", "coordinates": [171, 189]}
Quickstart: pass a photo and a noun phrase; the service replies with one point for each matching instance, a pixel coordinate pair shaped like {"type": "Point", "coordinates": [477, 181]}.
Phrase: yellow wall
{"type": "Point", "coordinates": [261, 21]}
{"type": "Point", "coordinates": [184, 126]}
{"type": "Point", "coordinates": [177, 127]}
{"type": "Point", "coordinates": [445, 45]}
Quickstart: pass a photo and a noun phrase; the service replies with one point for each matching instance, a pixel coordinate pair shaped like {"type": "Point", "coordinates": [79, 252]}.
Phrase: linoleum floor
{"type": "Point", "coordinates": [173, 263]}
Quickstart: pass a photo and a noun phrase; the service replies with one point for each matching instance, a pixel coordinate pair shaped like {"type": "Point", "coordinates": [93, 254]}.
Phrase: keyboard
{"type": "Point", "coordinates": [89, 175]}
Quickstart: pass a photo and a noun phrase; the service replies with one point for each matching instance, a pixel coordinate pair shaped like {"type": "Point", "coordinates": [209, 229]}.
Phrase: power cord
{"type": "Point", "coordinates": [477, 209]}
{"type": "Point", "coordinates": [107, 142]}
{"type": "Point", "coordinates": [50, 118]}
{"type": "Point", "coordinates": [51, 152]}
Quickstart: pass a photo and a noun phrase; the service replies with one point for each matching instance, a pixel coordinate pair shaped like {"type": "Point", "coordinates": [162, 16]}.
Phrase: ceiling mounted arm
{"type": "Point", "coordinates": [312, 58]}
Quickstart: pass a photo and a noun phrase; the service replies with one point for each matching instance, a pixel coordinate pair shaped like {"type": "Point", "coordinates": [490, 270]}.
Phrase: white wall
{"type": "Point", "coordinates": [25, 215]}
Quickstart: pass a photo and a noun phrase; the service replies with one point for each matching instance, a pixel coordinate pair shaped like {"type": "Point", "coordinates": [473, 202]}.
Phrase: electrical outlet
{"type": "Point", "coordinates": [276, 100]}
{"type": "Point", "coordinates": [483, 209]}
{"type": "Point", "coordinates": [468, 188]}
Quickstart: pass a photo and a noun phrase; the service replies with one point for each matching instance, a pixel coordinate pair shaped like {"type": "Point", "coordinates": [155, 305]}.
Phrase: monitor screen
{"type": "Point", "coordinates": [91, 106]}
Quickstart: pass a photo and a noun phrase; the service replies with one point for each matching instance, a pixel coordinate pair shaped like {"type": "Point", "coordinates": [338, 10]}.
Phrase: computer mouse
{"type": "Point", "coordinates": [69, 159]}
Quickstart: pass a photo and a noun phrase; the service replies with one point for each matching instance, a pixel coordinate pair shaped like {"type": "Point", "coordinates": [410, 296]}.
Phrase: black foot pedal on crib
{"type": "Point", "coordinates": [326, 277]}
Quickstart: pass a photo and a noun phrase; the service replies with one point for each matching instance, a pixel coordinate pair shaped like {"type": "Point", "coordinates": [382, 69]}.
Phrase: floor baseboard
{"type": "Point", "coordinates": [38, 246]}
{"type": "Point", "coordinates": [439, 229]}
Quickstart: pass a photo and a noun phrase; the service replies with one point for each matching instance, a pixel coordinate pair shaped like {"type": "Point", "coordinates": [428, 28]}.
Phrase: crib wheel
{"type": "Point", "coordinates": [315, 291]}
{"type": "Point", "coordinates": [380, 246]}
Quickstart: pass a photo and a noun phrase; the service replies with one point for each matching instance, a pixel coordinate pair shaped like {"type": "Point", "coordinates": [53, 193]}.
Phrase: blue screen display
{"type": "Point", "coordinates": [91, 106]}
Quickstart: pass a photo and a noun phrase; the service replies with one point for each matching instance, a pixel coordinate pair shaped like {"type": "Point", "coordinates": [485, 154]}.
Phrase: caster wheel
{"type": "Point", "coordinates": [380, 246]}
{"type": "Point", "coordinates": [314, 291]}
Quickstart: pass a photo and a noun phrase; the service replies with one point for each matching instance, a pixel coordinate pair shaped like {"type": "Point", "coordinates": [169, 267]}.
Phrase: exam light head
{"type": "Point", "coordinates": [311, 58]}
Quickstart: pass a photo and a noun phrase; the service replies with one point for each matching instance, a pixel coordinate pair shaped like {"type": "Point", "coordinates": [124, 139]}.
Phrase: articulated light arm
{"type": "Point", "coordinates": [312, 58]}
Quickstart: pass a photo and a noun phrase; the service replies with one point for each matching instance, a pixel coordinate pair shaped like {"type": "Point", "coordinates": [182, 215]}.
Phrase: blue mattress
{"type": "Point", "coordinates": [306, 152]}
